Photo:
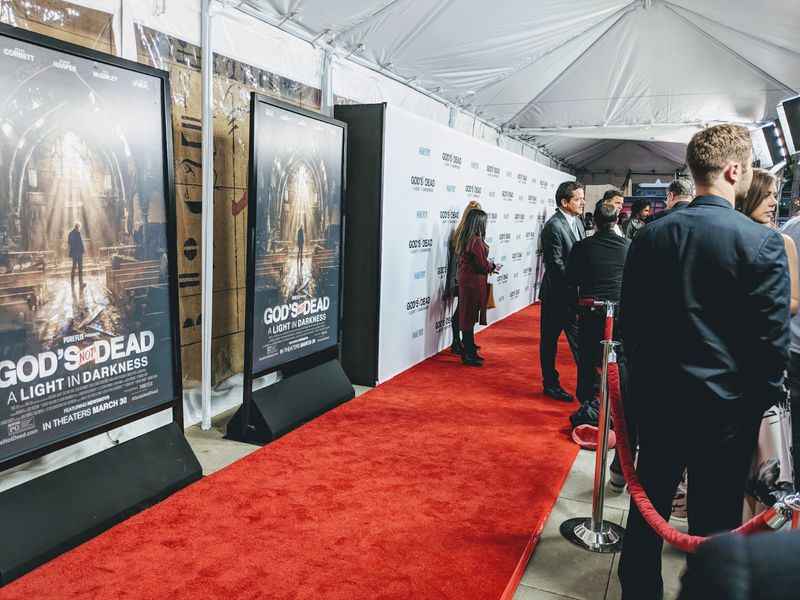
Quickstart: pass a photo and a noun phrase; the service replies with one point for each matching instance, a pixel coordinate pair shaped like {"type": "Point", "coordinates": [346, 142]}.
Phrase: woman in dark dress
{"type": "Point", "coordinates": [451, 284]}
{"type": "Point", "coordinates": [474, 268]}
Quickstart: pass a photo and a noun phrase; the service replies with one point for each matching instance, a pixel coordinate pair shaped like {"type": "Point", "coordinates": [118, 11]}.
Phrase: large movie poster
{"type": "Point", "coordinates": [85, 310]}
{"type": "Point", "coordinates": [298, 163]}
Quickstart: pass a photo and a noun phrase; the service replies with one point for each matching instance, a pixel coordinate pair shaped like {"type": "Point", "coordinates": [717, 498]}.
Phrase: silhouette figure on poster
{"type": "Point", "coordinates": [76, 252]}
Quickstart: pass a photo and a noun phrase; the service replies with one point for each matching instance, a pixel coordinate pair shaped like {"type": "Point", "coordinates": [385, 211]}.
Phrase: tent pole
{"type": "Point", "coordinates": [207, 246]}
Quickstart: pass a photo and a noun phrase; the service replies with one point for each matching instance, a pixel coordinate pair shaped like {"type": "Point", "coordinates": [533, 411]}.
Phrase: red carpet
{"type": "Point", "coordinates": [434, 485]}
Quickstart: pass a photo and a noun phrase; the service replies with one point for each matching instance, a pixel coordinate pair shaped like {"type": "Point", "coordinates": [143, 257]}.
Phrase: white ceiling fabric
{"type": "Point", "coordinates": [649, 70]}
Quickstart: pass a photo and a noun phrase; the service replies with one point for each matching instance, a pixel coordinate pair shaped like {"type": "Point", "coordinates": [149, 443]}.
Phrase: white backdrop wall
{"type": "Point", "coordinates": [430, 173]}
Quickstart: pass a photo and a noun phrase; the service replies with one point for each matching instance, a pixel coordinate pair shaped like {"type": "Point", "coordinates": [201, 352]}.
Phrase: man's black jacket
{"type": "Point", "coordinates": [705, 317]}
{"type": "Point", "coordinates": [557, 240]}
{"type": "Point", "coordinates": [596, 264]}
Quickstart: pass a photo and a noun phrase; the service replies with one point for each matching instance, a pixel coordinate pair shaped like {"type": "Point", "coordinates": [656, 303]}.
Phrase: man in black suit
{"type": "Point", "coordinates": [679, 194]}
{"type": "Point", "coordinates": [595, 269]}
{"type": "Point", "coordinates": [705, 321]}
{"type": "Point", "coordinates": [76, 252]}
{"type": "Point", "coordinates": [560, 233]}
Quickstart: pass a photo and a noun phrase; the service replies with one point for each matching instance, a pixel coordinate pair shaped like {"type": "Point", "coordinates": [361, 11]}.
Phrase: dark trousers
{"type": "Point", "coordinates": [468, 339]}
{"type": "Point", "coordinates": [794, 392]}
{"type": "Point", "coordinates": [718, 466]}
{"type": "Point", "coordinates": [591, 325]}
{"type": "Point", "coordinates": [556, 317]}
{"type": "Point", "coordinates": [77, 267]}
{"type": "Point", "coordinates": [456, 328]}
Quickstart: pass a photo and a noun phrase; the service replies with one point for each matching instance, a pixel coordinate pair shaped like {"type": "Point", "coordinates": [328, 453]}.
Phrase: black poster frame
{"type": "Point", "coordinates": [322, 356]}
{"type": "Point", "coordinates": [176, 402]}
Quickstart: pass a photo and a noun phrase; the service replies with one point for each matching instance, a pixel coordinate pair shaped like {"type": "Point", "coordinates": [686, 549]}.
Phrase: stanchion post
{"type": "Point", "coordinates": [594, 534]}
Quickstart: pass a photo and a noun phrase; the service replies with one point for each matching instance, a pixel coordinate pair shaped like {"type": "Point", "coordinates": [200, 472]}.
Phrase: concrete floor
{"type": "Point", "coordinates": [559, 570]}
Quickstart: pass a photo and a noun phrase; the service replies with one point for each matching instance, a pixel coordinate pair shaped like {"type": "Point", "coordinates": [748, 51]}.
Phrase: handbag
{"type": "Point", "coordinates": [490, 296]}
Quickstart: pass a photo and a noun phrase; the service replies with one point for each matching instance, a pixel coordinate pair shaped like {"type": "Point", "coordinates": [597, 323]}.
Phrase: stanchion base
{"type": "Point", "coordinates": [579, 532]}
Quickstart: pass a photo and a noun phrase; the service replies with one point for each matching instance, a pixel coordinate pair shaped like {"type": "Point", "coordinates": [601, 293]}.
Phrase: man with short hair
{"type": "Point", "coordinates": [679, 194]}
{"type": "Point", "coordinates": [639, 214]}
{"type": "Point", "coordinates": [595, 270]}
{"type": "Point", "coordinates": [561, 232]}
{"type": "Point", "coordinates": [706, 367]}
{"type": "Point", "coordinates": [615, 199]}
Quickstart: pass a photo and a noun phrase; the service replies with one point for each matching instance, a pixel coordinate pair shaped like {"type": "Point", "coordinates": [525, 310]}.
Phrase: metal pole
{"type": "Point", "coordinates": [601, 456]}
{"type": "Point", "coordinates": [207, 246]}
{"type": "Point", "coordinates": [594, 534]}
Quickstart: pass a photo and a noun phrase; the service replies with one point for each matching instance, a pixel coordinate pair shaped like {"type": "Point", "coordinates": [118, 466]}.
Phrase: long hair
{"type": "Point", "coordinates": [472, 205]}
{"type": "Point", "coordinates": [759, 189]}
{"type": "Point", "coordinates": [475, 225]}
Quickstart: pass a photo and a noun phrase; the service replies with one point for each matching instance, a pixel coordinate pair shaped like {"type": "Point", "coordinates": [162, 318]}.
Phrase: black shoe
{"type": "Point", "coordinates": [478, 356]}
{"type": "Point", "coordinates": [457, 348]}
{"type": "Point", "coordinates": [471, 361]}
{"type": "Point", "coordinates": [558, 393]}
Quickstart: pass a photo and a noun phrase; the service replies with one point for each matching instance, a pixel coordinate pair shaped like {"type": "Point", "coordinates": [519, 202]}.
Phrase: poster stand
{"type": "Point", "coordinates": [81, 393]}
{"type": "Point", "coordinates": [311, 383]}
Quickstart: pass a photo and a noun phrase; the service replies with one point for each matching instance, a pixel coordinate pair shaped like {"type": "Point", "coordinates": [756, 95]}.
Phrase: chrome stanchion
{"type": "Point", "coordinates": [593, 533]}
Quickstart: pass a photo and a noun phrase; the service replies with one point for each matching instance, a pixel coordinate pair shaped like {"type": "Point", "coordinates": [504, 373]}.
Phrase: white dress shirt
{"type": "Point", "coordinates": [572, 221]}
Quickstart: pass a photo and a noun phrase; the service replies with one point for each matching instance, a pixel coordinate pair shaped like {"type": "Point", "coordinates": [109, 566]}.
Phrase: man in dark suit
{"type": "Point", "coordinates": [705, 321]}
{"type": "Point", "coordinates": [76, 252]}
{"type": "Point", "coordinates": [679, 194]}
{"type": "Point", "coordinates": [560, 233]}
{"type": "Point", "coordinates": [595, 269]}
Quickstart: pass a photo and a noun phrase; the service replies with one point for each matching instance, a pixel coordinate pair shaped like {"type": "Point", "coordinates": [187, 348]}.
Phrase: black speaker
{"type": "Point", "coordinates": [277, 409]}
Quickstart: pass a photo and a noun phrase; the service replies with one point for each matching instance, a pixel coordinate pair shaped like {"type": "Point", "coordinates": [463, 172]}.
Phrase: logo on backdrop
{"type": "Point", "coordinates": [502, 279]}
{"type": "Point", "coordinates": [420, 183]}
{"type": "Point", "coordinates": [420, 274]}
{"type": "Point", "coordinates": [423, 151]}
{"type": "Point", "coordinates": [451, 160]}
{"type": "Point", "coordinates": [491, 217]}
{"type": "Point", "coordinates": [509, 174]}
{"type": "Point", "coordinates": [543, 184]}
{"type": "Point", "coordinates": [473, 191]}
{"type": "Point", "coordinates": [492, 171]}
{"type": "Point", "coordinates": [442, 324]}
{"type": "Point", "coordinates": [517, 256]}
{"type": "Point", "coordinates": [508, 195]}
{"type": "Point", "coordinates": [418, 305]}
{"type": "Point", "coordinates": [421, 245]}
{"type": "Point", "coordinates": [449, 216]}
{"type": "Point", "coordinates": [417, 333]}
{"type": "Point", "coordinates": [527, 271]}
{"type": "Point", "coordinates": [476, 165]}
{"type": "Point", "coordinates": [451, 188]}
{"type": "Point", "coordinates": [519, 217]}
{"type": "Point", "coordinates": [522, 178]}
{"type": "Point", "coordinates": [505, 238]}
{"type": "Point", "coordinates": [422, 214]}
{"type": "Point", "coordinates": [514, 294]}
{"type": "Point", "coordinates": [530, 235]}
{"type": "Point", "coordinates": [442, 272]}
{"type": "Point", "coordinates": [532, 200]}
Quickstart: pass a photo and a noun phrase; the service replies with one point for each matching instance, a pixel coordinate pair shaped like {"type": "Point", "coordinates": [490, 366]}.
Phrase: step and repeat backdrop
{"type": "Point", "coordinates": [431, 172]}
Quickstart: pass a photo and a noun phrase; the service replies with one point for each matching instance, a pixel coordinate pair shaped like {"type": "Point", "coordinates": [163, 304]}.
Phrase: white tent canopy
{"type": "Point", "coordinates": [569, 75]}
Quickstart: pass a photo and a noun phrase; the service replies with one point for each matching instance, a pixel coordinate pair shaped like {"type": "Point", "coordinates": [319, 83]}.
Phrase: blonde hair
{"type": "Point", "coordinates": [473, 204]}
{"type": "Point", "coordinates": [711, 149]}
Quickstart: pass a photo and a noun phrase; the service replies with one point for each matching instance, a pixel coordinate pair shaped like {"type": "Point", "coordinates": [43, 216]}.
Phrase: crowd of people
{"type": "Point", "coordinates": [705, 294]}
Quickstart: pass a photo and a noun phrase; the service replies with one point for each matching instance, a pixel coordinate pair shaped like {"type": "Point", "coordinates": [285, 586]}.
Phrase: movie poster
{"type": "Point", "coordinates": [85, 335]}
{"type": "Point", "coordinates": [298, 235]}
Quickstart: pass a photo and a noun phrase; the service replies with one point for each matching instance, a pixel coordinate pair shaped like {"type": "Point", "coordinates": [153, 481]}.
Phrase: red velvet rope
{"type": "Point", "coordinates": [682, 541]}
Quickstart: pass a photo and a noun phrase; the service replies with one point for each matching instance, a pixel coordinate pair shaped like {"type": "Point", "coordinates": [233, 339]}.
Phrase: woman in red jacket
{"type": "Point", "coordinates": [474, 267]}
